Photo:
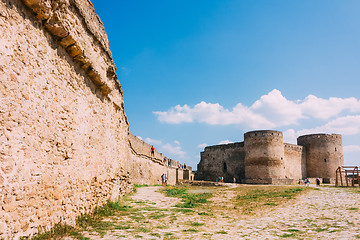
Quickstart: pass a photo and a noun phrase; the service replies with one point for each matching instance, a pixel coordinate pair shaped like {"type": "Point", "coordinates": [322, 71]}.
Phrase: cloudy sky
{"type": "Point", "coordinates": [199, 73]}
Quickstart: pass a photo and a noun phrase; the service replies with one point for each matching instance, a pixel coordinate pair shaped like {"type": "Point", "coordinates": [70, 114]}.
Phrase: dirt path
{"type": "Point", "coordinates": [153, 197]}
{"type": "Point", "coordinates": [328, 213]}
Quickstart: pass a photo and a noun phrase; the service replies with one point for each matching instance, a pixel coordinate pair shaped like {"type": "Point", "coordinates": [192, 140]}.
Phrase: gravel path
{"type": "Point", "coordinates": [328, 213]}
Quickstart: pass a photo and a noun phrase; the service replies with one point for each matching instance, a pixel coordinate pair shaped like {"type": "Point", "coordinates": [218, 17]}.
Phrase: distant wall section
{"type": "Point", "coordinates": [294, 161]}
{"type": "Point", "coordinates": [222, 160]}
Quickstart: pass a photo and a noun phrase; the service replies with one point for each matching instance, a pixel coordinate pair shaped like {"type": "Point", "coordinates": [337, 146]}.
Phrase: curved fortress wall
{"type": "Point", "coordinates": [264, 155]}
{"type": "Point", "coordinates": [64, 135]}
{"type": "Point", "coordinates": [324, 154]}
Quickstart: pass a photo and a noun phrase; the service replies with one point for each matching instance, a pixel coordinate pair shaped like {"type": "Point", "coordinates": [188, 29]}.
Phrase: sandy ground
{"type": "Point", "coordinates": [328, 213]}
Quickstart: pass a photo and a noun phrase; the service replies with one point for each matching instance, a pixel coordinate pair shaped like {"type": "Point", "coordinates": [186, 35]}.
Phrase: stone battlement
{"type": "Point", "coordinates": [263, 133]}
{"type": "Point", "coordinates": [225, 146]}
{"type": "Point", "coordinates": [293, 147]}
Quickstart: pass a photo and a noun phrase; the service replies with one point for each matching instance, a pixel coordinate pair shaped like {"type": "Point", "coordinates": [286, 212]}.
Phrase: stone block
{"type": "Point", "coordinates": [3, 227]}
{"type": "Point", "coordinates": [10, 207]}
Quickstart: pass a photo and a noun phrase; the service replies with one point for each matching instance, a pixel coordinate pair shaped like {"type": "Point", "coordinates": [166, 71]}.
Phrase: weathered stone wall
{"type": "Point", "coordinates": [64, 135]}
{"type": "Point", "coordinates": [264, 155]}
{"type": "Point", "coordinates": [324, 153]}
{"type": "Point", "coordinates": [222, 160]}
{"type": "Point", "coordinates": [63, 130]}
{"type": "Point", "coordinates": [293, 161]}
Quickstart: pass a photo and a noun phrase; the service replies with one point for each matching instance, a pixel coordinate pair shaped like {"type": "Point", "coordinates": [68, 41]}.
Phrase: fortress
{"type": "Point", "coordinates": [264, 158]}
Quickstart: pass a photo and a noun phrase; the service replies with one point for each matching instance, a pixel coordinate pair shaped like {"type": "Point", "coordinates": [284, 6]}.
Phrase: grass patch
{"type": "Point", "coordinates": [196, 224]}
{"type": "Point", "coordinates": [157, 215]}
{"type": "Point", "coordinates": [222, 232]}
{"type": "Point", "coordinates": [190, 230]}
{"type": "Point", "coordinates": [142, 229]}
{"type": "Point", "coordinates": [353, 209]}
{"type": "Point", "coordinates": [58, 231]}
{"type": "Point", "coordinates": [258, 197]}
{"type": "Point", "coordinates": [95, 221]}
{"type": "Point", "coordinates": [122, 227]}
{"type": "Point", "coordinates": [189, 200]}
{"type": "Point", "coordinates": [183, 210]}
{"type": "Point", "coordinates": [286, 235]}
{"type": "Point", "coordinates": [204, 214]}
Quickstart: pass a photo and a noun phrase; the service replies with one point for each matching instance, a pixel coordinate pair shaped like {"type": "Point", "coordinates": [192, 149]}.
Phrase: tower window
{"type": "Point", "coordinates": [224, 167]}
{"type": "Point", "coordinates": [335, 149]}
{"type": "Point", "coordinates": [325, 160]}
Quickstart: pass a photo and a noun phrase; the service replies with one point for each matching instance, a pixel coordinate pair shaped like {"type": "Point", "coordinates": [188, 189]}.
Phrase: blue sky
{"type": "Point", "coordinates": [198, 73]}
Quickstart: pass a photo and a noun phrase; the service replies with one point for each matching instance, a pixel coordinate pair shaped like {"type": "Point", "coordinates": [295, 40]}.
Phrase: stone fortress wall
{"type": "Point", "coordinates": [65, 145]}
{"type": "Point", "coordinates": [264, 158]}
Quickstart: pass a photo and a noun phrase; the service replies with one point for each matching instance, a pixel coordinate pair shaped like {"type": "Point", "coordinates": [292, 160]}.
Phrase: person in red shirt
{"type": "Point", "coordinates": [152, 150]}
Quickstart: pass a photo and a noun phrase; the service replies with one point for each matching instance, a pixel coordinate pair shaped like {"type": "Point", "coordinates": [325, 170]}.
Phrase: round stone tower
{"type": "Point", "coordinates": [264, 156]}
{"type": "Point", "coordinates": [324, 153]}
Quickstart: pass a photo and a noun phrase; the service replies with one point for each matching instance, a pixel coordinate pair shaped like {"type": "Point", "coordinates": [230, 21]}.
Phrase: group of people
{"type": "Point", "coordinates": [164, 179]}
{"type": "Point", "coordinates": [306, 181]}
{"type": "Point", "coordinates": [220, 179]}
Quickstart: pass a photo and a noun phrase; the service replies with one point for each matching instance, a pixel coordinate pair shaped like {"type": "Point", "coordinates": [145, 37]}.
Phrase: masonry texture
{"type": "Point", "coordinates": [264, 158]}
{"type": "Point", "coordinates": [65, 145]}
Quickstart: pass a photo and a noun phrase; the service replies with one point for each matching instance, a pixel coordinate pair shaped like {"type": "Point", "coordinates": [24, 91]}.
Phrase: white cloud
{"type": "Point", "coordinates": [177, 142]}
{"type": "Point", "coordinates": [290, 136]}
{"type": "Point", "coordinates": [153, 141]}
{"type": "Point", "coordinates": [351, 148]}
{"type": "Point", "coordinates": [270, 111]}
{"type": "Point", "coordinates": [139, 137]}
{"type": "Point", "coordinates": [347, 125]}
{"type": "Point", "coordinates": [225, 142]}
{"type": "Point", "coordinates": [324, 109]}
{"type": "Point", "coordinates": [202, 145]}
{"type": "Point", "coordinates": [276, 108]}
{"type": "Point", "coordinates": [174, 150]}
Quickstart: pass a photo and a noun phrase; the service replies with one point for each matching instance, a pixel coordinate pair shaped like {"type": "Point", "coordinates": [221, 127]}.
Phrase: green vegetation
{"type": "Point", "coordinates": [189, 200]}
{"type": "Point", "coordinates": [57, 231]}
{"type": "Point", "coordinates": [286, 235]}
{"type": "Point", "coordinates": [190, 230]}
{"type": "Point", "coordinates": [141, 219]}
{"type": "Point", "coordinates": [196, 224]}
{"type": "Point", "coordinates": [256, 198]}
